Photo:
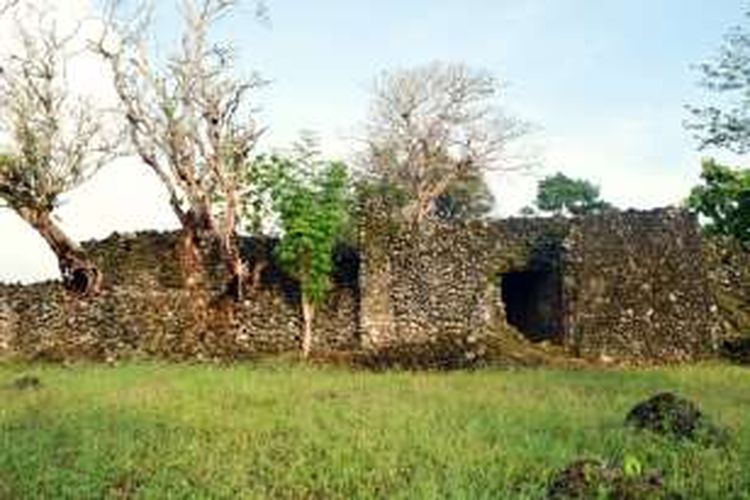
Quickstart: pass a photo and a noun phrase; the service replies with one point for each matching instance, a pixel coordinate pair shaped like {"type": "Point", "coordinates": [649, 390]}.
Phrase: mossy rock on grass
{"type": "Point", "coordinates": [670, 415]}
{"type": "Point", "coordinates": [591, 478]}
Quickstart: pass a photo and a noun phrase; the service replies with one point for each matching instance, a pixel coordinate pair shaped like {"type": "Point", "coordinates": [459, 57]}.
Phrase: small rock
{"type": "Point", "coordinates": [581, 479]}
{"type": "Point", "coordinates": [671, 415]}
{"type": "Point", "coordinates": [25, 382]}
{"type": "Point", "coordinates": [591, 478]}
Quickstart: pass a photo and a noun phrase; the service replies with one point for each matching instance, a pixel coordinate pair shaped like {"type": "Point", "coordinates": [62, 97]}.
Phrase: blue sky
{"type": "Point", "coordinates": [604, 82]}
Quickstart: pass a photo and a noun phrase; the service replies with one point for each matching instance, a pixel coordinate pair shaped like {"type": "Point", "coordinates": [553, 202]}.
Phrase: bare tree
{"type": "Point", "coordinates": [7, 5]}
{"type": "Point", "coordinates": [56, 140]}
{"type": "Point", "coordinates": [190, 122]}
{"type": "Point", "coordinates": [433, 126]}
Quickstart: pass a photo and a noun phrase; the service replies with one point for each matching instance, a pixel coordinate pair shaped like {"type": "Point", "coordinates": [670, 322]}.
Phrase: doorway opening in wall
{"type": "Point", "coordinates": [533, 304]}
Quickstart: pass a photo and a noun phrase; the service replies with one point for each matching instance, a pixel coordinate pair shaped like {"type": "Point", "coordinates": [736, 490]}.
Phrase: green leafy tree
{"type": "Point", "coordinates": [469, 198]}
{"type": "Point", "coordinates": [311, 200]}
{"type": "Point", "coordinates": [726, 122]}
{"type": "Point", "coordinates": [562, 195]}
{"type": "Point", "coordinates": [723, 199]}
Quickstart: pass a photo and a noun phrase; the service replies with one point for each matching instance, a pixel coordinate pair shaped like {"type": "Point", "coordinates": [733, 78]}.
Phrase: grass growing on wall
{"type": "Point", "coordinates": [277, 430]}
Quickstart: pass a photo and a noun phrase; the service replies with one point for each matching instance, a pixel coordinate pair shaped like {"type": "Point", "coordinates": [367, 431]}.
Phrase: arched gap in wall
{"type": "Point", "coordinates": [533, 303]}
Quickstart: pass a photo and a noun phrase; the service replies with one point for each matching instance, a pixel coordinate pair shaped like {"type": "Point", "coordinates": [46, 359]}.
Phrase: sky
{"type": "Point", "coordinates": [604, 83]}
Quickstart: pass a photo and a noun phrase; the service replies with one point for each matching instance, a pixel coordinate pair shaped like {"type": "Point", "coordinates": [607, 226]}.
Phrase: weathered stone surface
{"type": "Point", "coordinates": [155, 316]}
{"type": "Point", "coordinates": [728, 267]}
{"type": "Point", "coordinates": [628, 285]}
{"type": "Point", "coordinates": [7, 325]}
{"type": "Point", "coordinates": [440, 286]}
{"type": "Point", "coordinates": [635, 286]}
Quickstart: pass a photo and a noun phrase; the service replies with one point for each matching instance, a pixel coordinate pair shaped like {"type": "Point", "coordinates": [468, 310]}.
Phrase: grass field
{"type": "Point", "coordinates": [280, 430]}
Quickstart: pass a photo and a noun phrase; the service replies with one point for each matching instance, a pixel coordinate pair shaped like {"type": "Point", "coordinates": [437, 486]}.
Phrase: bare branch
{"type": "Point", "coordinates": [189, 117]}
{"type": "Point", "coordinates": [433, 126]}
{"type": "Point", "coordinates": [57, 139]}
{"type": "Point", "coordinates": [7, 5]}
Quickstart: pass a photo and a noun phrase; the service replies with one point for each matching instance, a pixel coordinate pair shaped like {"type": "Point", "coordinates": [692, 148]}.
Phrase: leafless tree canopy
{"type": "Point", "coordinates": [434, 125]}
{"type": "Point", "coordinates": [7, 5]}
{"type": "Point", "coordinates": [55, 139]}
{"type": "Point", "coordinates": [190, 118]}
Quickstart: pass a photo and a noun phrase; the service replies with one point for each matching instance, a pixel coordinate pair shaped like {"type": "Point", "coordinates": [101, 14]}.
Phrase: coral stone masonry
{"type": "Point", "coordinates": [622, 285]}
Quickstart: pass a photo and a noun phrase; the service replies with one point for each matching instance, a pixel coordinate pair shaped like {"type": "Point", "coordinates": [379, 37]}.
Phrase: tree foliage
{"type": "Point", "coordinates": [311, 199]}
{"type": "Point", "coordinates": [437, 128]}
{"type": "Point", "coordinates": [723, 199]}
{"type": "Point", "coordinates": [561, 195]}
{"type": "Point", "coordinates": [725, 123]}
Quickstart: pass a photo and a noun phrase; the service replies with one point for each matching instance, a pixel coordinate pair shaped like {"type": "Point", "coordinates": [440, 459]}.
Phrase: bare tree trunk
{"type": "Point", "coordinates": [201, 243]}
{"type": "Point", "coordinates": [233, 262]}
{"type": "Point", "coordinates": [195, 244]}
{"type": "Point", "coordinates": [230, 247]}
{"type": "Point", "coordinates": [79, 273]}
{"type": "Point", "coordinates": [191, 261]}
{"type": "Point", "coordinates": [308, 315]}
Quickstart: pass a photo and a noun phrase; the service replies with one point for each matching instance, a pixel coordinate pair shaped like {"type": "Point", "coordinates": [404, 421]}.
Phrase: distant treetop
{"type": "Point", "coordinates": [562, 195]}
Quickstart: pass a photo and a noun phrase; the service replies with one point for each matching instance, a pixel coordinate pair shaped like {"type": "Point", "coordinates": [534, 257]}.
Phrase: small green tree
{"type": "Point", "coordinates": [311, 200]}
{"type": "Point", "coordinates": [723, 200]}
{"type": "Point", "coordinates": [561, 195]}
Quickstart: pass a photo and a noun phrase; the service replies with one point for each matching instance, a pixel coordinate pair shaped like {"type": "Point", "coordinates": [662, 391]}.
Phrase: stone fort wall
{"type": "Point", "coordinates": [631, 285]}
{"type": "Point", "coordinates": [637, 284]}
{"type": "Point", "coordinates": [144, 310]}
{"type": "Point", "coordinates": [624, 285]}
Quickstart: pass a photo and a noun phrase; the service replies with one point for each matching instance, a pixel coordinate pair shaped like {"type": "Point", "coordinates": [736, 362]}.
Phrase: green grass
{"type": "Point", "coordinates": [283, 431]}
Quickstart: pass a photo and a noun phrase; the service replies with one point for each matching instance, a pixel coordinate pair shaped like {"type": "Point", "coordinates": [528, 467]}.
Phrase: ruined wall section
{"type": "Point", "coordinates": [441, 284]}
{"type": "Point", "coordinates": [728, 267]}
{"type": "Point", "coordinates": [147, 259]}
{"type": "Point", "coordinates": [144, 311]}
{"type": "Point", "coordinates": [632, 285]}
{"type": "Point", "coordinates": [636, 287]}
